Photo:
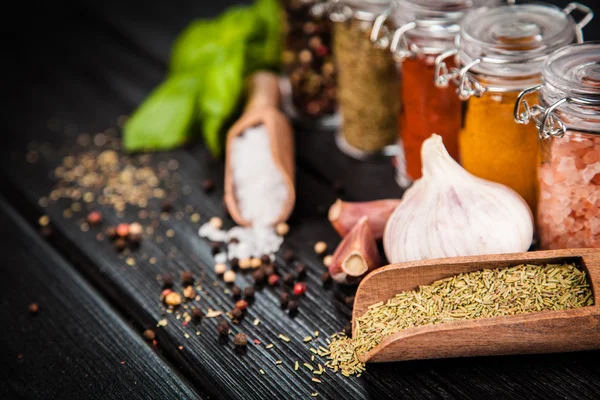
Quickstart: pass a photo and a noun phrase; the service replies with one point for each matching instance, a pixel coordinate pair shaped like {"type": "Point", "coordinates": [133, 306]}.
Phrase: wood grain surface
{"type": "Point", "coordinates": [76, 346]}
{"type": "Point", "coordinates": [90, 62]}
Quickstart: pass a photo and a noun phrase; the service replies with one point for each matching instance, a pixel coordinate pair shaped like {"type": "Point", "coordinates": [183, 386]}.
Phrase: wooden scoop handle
{"type": "Point", "coordinates": [263, 91]}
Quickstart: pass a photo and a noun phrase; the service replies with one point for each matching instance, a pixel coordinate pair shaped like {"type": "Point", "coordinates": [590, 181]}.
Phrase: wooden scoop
{"type": "Point", "coordinates": [538, 332]}
{"type": "Point", "coordinates": [262, 109]}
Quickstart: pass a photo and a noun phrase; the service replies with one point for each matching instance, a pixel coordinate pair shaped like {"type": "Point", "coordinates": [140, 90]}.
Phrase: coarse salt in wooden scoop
{"type": "Point", "coordinates": [262, 109]}
{"type": "Point", "coordinates": [537, 332]}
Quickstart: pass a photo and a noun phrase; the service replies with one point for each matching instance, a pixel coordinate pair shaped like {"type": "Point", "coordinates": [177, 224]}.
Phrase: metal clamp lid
{"type": "Point", "coordinates": [467, 84]}
{"type": "Point", "coordinates": [547, 122]}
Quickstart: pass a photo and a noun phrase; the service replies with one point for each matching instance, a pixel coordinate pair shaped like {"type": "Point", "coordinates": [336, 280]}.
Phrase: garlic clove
{"type": "Point", "coordinates": [343, 215]}
{"type": "Point", "coordinates": [448, 213]}
{"type": "Point", "coordinates": [356, 255]}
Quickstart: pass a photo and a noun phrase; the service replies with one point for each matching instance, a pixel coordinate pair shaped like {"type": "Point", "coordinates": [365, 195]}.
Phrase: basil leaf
{"type": "Point", "coordinates": [163, 121]}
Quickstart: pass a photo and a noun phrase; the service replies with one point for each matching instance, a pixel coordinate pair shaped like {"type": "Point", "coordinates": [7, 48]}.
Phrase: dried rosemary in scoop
{"type": "Point", "coordinates": [488, 293]}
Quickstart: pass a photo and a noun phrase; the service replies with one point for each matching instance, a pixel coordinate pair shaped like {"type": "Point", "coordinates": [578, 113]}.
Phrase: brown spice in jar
{"type": "Point", "coordinates": [368, 86]}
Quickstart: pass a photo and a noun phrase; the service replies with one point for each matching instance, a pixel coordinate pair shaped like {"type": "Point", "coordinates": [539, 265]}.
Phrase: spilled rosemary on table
{"type": "Point", "coordinates": [488, 293]}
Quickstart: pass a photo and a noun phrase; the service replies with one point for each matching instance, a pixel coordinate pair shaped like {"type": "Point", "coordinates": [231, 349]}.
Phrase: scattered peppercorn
{"type": "Point", "coordinates": [223, 327]}
{"type": "Point", "coordinates": [229, 276]}
{"type": "Point", "coordinates": [235, 263]}
{"type": "Point", "coordinates": [167, 280]}
{"type": "Point", "coordinates": [301, 270]}
{"type": "Point", "coordinates": [327, 260]}
{"type": "Point", "coordinates": [289, 256]}
{"type": "Point", "coordinates": [110, 232]}
{"type": "Point", "coordinates": [173, 299]}
{"type": "Point", "coordinates": [273, 279]}
{"type": "Point", "coordinates": [244, 263]}
{"type": "Point", "coordinates": [265, 259]}
{"type": "Point", "coordinates": [234, 240]}
{"type": "Point", "coordinates": [216, 222]}
{"type": "Point", "coordinates": [240, 340]}
{"type": "Point", "coordinates": [241, 304]}
{"type": "Point", "coordinates": [289, 279]}
{"type": "Point", "coordinates": [197, 314]}
{"type": "Point", "coordinates": [215, 248]}
{"type": "Point", "coordinates": [220, 268]}
{"type": "Point", "coordinates": [189, 292]}
{"type": "Point", "coordinates": [255, 262]}
{"type": "Point", "coordinates": [236, 292]}
{"type": "Point", "coordinates": [320, 247]}
{"type": "Point", "coordinates": [33, 308]}
{"type": "Point", "coordinates": [149, 335]}
{"type": "Point", "coordinates": [237, 314]}
{"type": "Point", "coordinates": [208, 185]}
{"type": "Point", "coordinates": [292, 306]}
{"type": "Point", "coordinates": [284, 299]}
{"type": "Point", "coordinates": [187, 277]}
{"type": "Point", "coordinates": [122, 230]}
{"type": "Point", "coordinates": [282, 229]}
{"type": "Point", "coordinates": [136, 229]}
{"type": "Point", "coordinates": [259, 276]}
{"type": "Point", "coordinates": [249, 292]}
{"type": "Point", "coordinates": [269, 270]}
{"type": "Point", "coordinates": [325, 277]}
{"type": "Point", "coordinates": [349, 300]}
{"type": "Point", "coordinates": [121, 244]}
{"type": "Point", "coordinates": [299, 288]}
{"type": "Point", "coordinates": [166, 207]}
{"type": "Point", "coordinates": [94, 217]}
{"type": "Point", "coordinates": [134, 239]}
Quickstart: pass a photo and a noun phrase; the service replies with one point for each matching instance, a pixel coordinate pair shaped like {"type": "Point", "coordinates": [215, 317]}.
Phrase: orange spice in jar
{"type": "Point", "coordinates": [569, 171]}
{"type": "Point", "coordinates": [426, 29]}
{"type": "Point", "coordinates": [501, 52]}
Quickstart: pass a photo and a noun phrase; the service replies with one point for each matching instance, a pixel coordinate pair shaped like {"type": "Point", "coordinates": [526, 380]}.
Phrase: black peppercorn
{"type": "Point", "coordinates": [235, 263]}
{"type": "Point", "coordinates": [270, 270]}
{"type": "Point", "coordinates": [120, 244]}
{"type": "Point", "coordinates": [325, 277]}
{"type": "Point", "coordinates": [167, 280]}
{"type": "Point", "coordinates": [110, 232]}
{"type": "Point", "coordinates": [293, 306]}
{"type": "Point", "coordinates": [349, 300]}
{"type": "Point", "coordinates": [187, 278]}
{"type": "Point", "coordinates": [166, 207]}
{"type": "Point", "coordinates": [301, 270]}
{"type": "Point", "coordinates": [134, 239]}
{"type": "Point", "coordinates": [259, 276]}
{"type": "Point", "coordinates": [208, 185]}
{"type": "Point", "coordinates": [215, 247]}
{"type": "Point", "coordinates": [284, 299]}
{"type": "Point", "coordinates": [234, 241]}
{"type": "Point", "coordinates": [237, 314]}
{"type": "Point", "coordinates": [197, 314]}
{"type": "Point", "coordinates": [249, 292]}
{"type": "Point", "coordinates": [236, 291]}
{"type": "Point", "coordinates": [223, 327]}
{"type": "Point", "coordinates": [289, 279]}
{"type": "Point", "coordinates": [240, 340]}
{"type": "Point", "coordinates": [265, 259]}
{"type": "Point", "coordinates": [289, 256]}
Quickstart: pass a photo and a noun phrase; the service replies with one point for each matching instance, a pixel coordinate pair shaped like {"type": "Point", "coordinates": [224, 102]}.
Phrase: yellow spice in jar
{"type": "Point", "coordinates": [494, 147]}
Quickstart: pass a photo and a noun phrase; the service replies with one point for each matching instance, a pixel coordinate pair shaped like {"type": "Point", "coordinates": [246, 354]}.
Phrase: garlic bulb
{"type": "Point", "coordinates": [449, 212]}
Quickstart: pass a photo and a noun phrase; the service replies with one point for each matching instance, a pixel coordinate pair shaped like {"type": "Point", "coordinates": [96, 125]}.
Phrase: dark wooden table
{"type": "Point", "coordinates": [75, 68]}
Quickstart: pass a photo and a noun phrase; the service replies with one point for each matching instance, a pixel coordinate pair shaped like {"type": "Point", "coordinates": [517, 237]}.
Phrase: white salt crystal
{"type": "Point", "coordinates": [261, 194]}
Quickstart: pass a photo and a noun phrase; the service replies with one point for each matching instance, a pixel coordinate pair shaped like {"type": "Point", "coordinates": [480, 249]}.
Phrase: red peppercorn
{"type": "Point", "coordinates": [299, 288]}
{"type": "Point", "coordinates": [122, 230]}
{"type": "Point", "coordinates": [241, 304]}
{"type": "Point", "coordinates": [94, 217]}
{"type": "Point", "coordinates": [273, 279]}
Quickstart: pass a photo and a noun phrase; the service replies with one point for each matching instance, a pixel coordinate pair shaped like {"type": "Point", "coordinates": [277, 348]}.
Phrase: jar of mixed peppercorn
{"type": "Point", "coordinates": [567, 118]}
{"type": "Point", "coordinates": [500, 52]}
{"type": "Point", "coordinates": [426, 29]}
{"type": "Point", "coordinates": [308, 62]}
{"type": "Point", "coordinates": [367, 80]}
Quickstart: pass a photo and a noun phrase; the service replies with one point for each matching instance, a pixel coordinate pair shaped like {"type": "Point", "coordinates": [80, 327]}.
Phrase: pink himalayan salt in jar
{"type": "Point", "coordinates": [568, 121]}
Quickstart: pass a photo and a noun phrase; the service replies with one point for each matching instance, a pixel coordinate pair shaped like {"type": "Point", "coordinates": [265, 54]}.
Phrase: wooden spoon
{"type": "Point", "coordinates": [538, 332]}
{"type": "Point", "coordinates": [262, 109]}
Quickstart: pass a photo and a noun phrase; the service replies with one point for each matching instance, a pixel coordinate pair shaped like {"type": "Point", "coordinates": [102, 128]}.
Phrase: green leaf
{"type": "Point", "coordinates": [269, 12]}
{"type": "Point", "coordinates": [164, 119]}
{"type": "Point", "coordinates": [223, 86]}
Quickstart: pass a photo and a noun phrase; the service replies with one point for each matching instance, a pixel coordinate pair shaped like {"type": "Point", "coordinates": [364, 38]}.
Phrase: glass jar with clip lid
{"type": "Point", "coordinates": [424, 30]}
{"type": "Point", "coordinates": [500, 51]}
{"type": "Point", "coordinates": [367, 80]}
{"type": "Point", "coordinates": [567, 118]}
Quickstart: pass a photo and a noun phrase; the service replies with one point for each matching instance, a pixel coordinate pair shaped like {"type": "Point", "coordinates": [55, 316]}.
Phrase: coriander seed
{"type": "Point", "coordinates": [229, 276]}
{"type": "Point", "coordinates": [216, 222]}
{"type": "Point", "coordinates": [282, 229]}
{"type": "Point", "coordinates": [136, 229]}
{"type": "Point", "coordinates": [33, 308]}
{"type": "Point", "coordinates": [149, 335]}
{"type": "Point", "coordinates": [320, 247]}
{"type": "Point", "coordinates": [173, 299]}
{"type": "Point", "coordinates": [327, 260]}
{"type": "Point", "coordinates": [220, 268]}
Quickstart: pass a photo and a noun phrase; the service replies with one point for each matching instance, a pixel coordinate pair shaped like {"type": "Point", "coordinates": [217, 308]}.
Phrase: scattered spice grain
{"type": "Point", "coordinates": [135, 228]}
{"type": "Point", "coordinates": [320, 247]}
{"type": "Point", "coordinates": [301, 270]}
{"type": "Point", "coordinates": [240, 340]}
{"type": "Point", "coordinates": [289, 279]}
{"type": "Point", "coordinates": [167, 280]}
{"type": "Point", "coordinates": [273, 279]}
{"type": "Point", "coordinates": [197, 314]}
{"type": "Point", "coordinates": [122, 230]}
{"type": "Point", "coordinates": [249, 292]}
{"type": "Point", "coordinates": [149, 335]}
{"type": "Point", "coordinates": [284, 299]}
{"type": "Point", "coordinates": [259, 276]}
{"type": "Point", "coordinates": [241, 304]}
{"type": "Point", "coordinates": [236, 292]}
{"type": "Point", "coordinates": [299, 288]}
{"type": "Point", "coordinates": [222, 327]}
{"type": "Point", "coordinates": [289, 256]}
{"type": "Point", "coordinates": [33, 308]}
{"type": "Point", "coordinates": [189, 292]}
{"type": "Point", "coordinates": [327, 260]}
{"type": "Point", "coordinates": [94, 218]}
{"type": "Point", "coordinates": [220, 268]}
{"type": "Point", "coordinates": [282, 229]}
{"type": "Point", "coordinates": [293, 306]}
{"type": "Point", "coordinates": [237, 314]}
{"type": "Point", "coordinates": [173, 299]}
{"type": "Point", "coordinates": [326, 277]}
{"type": "Point", "coordinates": [187, 277]}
